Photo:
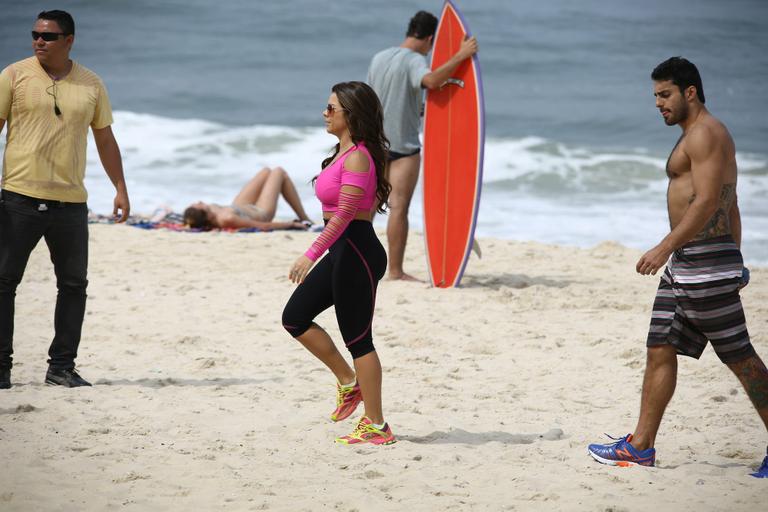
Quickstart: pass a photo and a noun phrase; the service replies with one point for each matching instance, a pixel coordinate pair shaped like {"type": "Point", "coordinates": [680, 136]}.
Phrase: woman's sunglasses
{"type": "Point", "coordinates": [47, 36]}
{"type": "Point", "coordinates": [332, 109]}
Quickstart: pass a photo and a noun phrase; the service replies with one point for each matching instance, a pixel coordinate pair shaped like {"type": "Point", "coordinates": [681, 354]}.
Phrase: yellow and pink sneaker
{"type": "Point", "coordinates": [347, 400]}
{"type": "Point", "coordinates": [365, 432]}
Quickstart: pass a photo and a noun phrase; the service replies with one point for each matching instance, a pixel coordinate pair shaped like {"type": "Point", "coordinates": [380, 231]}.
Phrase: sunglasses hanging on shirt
{"type": "Point", "coordinates": [56, 109]}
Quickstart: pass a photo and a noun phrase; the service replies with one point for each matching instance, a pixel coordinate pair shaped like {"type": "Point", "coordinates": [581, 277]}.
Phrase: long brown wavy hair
{"type": "Point", "coordinates": [365, 120]}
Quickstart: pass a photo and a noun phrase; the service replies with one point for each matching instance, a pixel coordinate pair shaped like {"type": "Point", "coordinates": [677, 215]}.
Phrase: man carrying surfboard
{"type": "Point", "coordinates": [398, 75]}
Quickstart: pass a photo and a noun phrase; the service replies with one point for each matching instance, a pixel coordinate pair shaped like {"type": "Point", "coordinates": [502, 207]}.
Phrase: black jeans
{"type": "Point", "coordinates": [23, 222]}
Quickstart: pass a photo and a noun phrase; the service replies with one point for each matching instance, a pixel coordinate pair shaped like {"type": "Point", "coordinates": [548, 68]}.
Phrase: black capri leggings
{"type": "Point", "coordinates": [346, 278]}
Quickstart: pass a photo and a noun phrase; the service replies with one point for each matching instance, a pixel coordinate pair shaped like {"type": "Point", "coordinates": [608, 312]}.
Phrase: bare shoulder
{"type": "Point", "coordinates": [707, 137]}
{"type": "Point", "coordinates": [225, 218]}
{"type": "Point", "coordinates": [357, 161]}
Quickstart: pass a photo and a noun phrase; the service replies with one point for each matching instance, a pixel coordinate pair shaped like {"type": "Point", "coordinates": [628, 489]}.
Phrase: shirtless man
{"type": "Point", "coordinates": [698, 296]}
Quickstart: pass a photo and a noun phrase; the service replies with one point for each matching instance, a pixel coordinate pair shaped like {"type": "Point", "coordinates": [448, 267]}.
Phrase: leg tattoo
{"type": "Point", "coordinates": [754, 377]}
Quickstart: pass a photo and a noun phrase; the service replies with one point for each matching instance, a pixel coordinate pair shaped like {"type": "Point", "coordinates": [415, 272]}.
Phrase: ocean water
{"type": "Point", "coordinates": [206, 93]}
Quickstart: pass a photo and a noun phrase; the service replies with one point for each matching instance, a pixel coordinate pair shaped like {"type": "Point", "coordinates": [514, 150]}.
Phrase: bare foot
{"type": "Point", "coordinates": [402, 276]}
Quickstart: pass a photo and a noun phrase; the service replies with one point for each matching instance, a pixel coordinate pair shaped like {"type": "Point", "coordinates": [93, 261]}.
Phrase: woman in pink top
{"type": "Point", "coordinates": [351, 186]}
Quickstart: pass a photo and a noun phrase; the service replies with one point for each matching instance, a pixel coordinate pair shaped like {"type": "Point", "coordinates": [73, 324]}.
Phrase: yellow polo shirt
{"type": "Point", "coordinates": [45, 153]}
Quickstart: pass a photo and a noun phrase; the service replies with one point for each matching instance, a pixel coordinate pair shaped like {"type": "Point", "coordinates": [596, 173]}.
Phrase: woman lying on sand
{"type": "Point", "coordinates": [253, 207]}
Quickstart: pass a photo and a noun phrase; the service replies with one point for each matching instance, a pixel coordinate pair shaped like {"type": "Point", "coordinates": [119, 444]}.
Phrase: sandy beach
{"type": "Point", "coordinates": [201, 401]}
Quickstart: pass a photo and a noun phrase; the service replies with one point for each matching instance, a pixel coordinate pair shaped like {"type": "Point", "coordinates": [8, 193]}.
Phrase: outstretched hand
{"type": "Point", "coordinates": [300, 225]}
{"type": "Point", "coordinates": [653, 260]}
{"type": "Point", "coordinates": [300, 269]}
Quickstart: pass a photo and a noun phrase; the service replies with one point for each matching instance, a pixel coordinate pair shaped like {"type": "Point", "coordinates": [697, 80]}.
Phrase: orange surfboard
{"type": "Point", "coordinates": [454, 138]}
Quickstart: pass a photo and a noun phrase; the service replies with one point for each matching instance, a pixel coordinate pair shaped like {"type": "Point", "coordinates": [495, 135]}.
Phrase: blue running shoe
{"type": "Point", "coordinates": [762, 471]}
{"type": "Point", "coordinates": [621, 453]}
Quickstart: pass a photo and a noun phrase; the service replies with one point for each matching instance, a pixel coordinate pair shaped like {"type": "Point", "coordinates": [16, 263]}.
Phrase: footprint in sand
{"type": "Point", "coordinates": [19, 409]}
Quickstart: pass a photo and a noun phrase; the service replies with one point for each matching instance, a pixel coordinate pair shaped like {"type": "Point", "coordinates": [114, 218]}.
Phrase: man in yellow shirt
{"type": "Point", "coordinates": [48, 102]}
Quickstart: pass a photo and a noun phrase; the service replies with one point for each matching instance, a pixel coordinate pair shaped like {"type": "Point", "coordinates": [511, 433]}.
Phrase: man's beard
{"type": "Point", "coordinates": [678, 118]}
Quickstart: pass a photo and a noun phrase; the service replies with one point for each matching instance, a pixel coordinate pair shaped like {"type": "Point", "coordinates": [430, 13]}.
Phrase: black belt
{"type": "Point", "coordinates": [41, 205]}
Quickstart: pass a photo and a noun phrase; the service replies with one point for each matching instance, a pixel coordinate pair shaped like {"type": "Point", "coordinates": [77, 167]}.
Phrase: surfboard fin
{"type": "Point", "coordinates": [476, 248]}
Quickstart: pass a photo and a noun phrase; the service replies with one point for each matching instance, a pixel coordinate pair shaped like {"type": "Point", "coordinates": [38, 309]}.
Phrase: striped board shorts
{"type": "Point", "coordinates": [698, 301]}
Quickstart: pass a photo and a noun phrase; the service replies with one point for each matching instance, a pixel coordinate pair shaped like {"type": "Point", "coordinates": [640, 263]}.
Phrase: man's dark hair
{"type": "Point", "coordinates": [683, 74]}
{"type": "Point", "coordinates": [422, 25]}
{"type": "Point", "coordinates": [63, 18]}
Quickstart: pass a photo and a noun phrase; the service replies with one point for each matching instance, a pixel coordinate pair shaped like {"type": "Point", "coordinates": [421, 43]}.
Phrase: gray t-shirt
{"type": "Point", "coordinates": [395, 74]}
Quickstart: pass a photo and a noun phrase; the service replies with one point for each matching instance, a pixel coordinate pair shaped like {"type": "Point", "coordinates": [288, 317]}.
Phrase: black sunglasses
{"type": "Point", "coordinates": [47, 36]}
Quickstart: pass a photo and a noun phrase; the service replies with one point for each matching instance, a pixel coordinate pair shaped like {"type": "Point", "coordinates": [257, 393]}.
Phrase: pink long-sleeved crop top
{"type": "Point", "coordinates": [344, 206]}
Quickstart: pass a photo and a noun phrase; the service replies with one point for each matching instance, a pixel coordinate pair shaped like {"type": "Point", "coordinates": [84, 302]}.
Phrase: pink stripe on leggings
{"type": "Point", "coordinates": [373, 293]}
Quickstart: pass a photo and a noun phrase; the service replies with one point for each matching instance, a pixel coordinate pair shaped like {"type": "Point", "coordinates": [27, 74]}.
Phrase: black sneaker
{"type": "Point", "coordinates": [5, 379]}
{"type": "Point", "coordinates": [67, 378]}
